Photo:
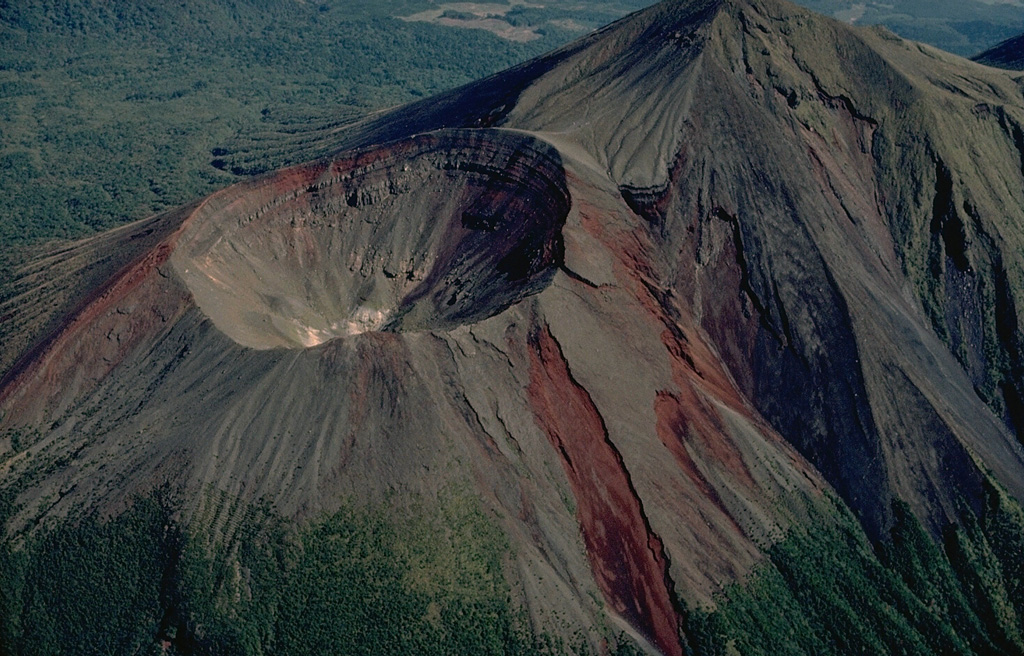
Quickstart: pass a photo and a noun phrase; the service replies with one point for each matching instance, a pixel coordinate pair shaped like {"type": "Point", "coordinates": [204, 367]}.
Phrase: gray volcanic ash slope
{"type": "Point", "coordinates": [711, 319]}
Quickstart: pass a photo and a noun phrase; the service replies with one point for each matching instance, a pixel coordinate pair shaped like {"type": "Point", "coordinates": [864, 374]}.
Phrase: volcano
{"type": "Point", "coordinates": [711, 319]}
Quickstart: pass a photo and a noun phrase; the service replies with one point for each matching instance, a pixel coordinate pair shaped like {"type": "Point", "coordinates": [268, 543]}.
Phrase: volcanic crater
{"type": "Point", "coordinates": [341, 247]}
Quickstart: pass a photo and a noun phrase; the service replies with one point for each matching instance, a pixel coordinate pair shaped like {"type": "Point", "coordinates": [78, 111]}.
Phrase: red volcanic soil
{"type": "Point", "coordinates": [627, 558]}
{"type": "Point", "coordinates": [137, 302]}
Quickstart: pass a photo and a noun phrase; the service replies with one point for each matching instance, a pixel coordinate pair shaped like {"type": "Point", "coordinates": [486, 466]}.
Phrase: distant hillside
{"type": "Point", "coordinates": [1008, 54]}
{"type": "Point", "coordinates": [963, 27]}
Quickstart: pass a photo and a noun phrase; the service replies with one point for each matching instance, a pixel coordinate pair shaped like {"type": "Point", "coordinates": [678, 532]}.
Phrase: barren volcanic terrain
{"type": "Point", "coordinates": [699, 335]}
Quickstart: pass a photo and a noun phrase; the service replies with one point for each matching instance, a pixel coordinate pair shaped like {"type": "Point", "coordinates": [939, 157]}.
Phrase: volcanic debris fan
{"type": "Point", "coordinates": [714, 314]}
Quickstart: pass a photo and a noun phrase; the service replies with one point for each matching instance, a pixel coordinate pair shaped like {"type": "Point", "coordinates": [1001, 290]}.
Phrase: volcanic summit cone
{"type": "Point", "coordinates": [668, 301]}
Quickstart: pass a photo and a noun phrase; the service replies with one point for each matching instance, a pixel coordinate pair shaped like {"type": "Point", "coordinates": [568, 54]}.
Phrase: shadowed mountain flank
{"type": "Point", "coordinates": [1009, 54]}
{"type": "Point", "coordinates": [715, 315]}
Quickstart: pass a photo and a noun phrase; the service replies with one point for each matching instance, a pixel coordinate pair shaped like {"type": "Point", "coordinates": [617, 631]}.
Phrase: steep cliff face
{"type": "Point", "coordinates": [666, 303]}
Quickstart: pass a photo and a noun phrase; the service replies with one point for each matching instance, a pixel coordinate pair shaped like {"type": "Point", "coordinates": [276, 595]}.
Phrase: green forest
{"type": "Point", "coordinates": [425, 578]}
{"type": "Point", "coordinates": [429, 578]}
{"type": "Point", "coordinates": [110, 112]}
{"type": "Point", "coordinates": [429, 581]}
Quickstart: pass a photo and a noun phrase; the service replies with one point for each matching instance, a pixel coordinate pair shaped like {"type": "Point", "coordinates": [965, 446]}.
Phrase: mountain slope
{"type": "Point", "coordinates": [669, 303]}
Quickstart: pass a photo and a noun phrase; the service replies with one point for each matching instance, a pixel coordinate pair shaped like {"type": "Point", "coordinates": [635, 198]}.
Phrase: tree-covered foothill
{"type": "Point", "coordinates": [428, 578]}
{"type": "Point", "coordinates": [382, 580]}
